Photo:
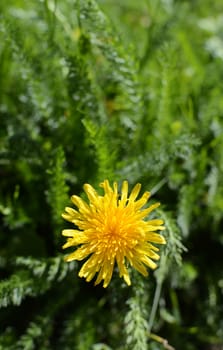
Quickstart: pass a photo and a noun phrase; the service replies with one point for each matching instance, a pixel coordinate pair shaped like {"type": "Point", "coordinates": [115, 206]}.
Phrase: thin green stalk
{"type": "Point", "coordinates": [155, 305]}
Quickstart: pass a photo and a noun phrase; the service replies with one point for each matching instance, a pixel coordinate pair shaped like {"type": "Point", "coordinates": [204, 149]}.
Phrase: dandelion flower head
{"type": "Point", "coordinates": [111, 230]}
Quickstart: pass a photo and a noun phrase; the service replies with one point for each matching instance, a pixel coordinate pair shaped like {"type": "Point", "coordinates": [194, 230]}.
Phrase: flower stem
{"type": "Point", "coordinates": [162, 341]}
{"type": "Point", "coordinates": [155, 305]}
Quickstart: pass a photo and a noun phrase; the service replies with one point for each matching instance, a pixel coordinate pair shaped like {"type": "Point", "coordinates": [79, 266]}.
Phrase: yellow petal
{"type": "Point", "coordinates": [124, 191]}
{"type": "Point", "coordinates": [135, 192]}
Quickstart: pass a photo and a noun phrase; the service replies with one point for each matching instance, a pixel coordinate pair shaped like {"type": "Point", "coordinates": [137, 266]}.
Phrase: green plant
{"type": "Point", "coordinates": [93, 90]}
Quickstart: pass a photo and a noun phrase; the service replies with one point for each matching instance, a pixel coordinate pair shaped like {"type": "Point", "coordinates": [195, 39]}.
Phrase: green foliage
{"type": "Point", "coordinates": [93, 89]}
{"type": "Point", "coordinates": [136, 325]}
{"type": "Point", "coordinates": [36, 279]}
{"type": "Point", "coordinates": [104, 157]}
{"type": "Point", "coordinates": [33, 337]}
{"type": "Point", "coordinates": [57, 193]}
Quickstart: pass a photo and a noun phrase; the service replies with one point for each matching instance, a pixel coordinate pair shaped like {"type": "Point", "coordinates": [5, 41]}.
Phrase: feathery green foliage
{"type": "Point", "coordinates": [136, 325]}
{"type": "Point", "coordinates": [93, 89]}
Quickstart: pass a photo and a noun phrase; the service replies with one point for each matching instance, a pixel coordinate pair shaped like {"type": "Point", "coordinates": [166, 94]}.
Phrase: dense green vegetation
{"type": "Point", "coordinates": [93, 89]}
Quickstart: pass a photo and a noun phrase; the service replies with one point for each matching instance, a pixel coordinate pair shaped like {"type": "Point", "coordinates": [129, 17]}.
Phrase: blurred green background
{"type": "Point", "coordinates": [120, 90]}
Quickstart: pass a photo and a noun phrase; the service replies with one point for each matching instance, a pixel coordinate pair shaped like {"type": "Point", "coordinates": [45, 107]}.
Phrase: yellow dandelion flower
{"type": "Point", "coordinates": [112, 229]}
